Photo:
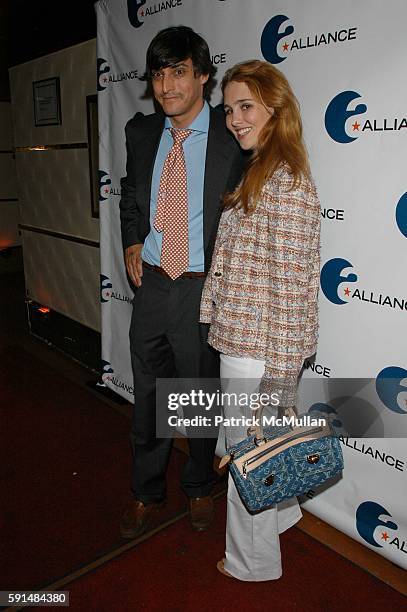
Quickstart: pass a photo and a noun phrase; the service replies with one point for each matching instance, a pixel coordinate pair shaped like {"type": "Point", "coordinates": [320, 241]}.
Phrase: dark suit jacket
{"type": "Point", "coordinates": [223, 169]}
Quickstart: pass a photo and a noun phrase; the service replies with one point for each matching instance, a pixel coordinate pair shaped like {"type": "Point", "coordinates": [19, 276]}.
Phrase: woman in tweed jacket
{"type": "Point", "coordinates": [260, 296]}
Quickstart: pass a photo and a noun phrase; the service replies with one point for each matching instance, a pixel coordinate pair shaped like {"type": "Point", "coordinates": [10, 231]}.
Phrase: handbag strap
{"type": "Point", "coordinates": [258, 429]}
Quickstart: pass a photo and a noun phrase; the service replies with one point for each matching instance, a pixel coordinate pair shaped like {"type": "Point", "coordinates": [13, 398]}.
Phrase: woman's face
{"type": "Point", "coordinates": [245, 117]}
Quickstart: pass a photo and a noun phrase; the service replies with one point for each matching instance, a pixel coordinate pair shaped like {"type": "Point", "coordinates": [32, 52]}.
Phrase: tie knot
{"type": "Point", "coordinates": [180, 135]}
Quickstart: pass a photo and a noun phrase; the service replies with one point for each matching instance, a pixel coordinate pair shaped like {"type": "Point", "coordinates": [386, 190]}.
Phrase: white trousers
{"type": "Point", "coordinates": [252, 540]}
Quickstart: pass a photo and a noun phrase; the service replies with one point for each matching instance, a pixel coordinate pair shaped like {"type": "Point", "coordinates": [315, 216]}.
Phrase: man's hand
{"type": "Point", "coordinates": [134, 263]}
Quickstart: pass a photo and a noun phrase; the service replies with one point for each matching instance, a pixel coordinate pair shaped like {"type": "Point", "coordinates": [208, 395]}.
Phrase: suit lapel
{"type": "Point", "coordinates": [149, 149]}
{"type": "Point", "coordinates": [219, 158]}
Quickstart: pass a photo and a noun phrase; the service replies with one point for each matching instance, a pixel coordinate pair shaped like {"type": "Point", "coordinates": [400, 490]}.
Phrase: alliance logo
{"type": "Point", "coordinates": [325, 410]}
{"type": "Point", "coordinates": [104, 77]}
{"type": "Point", "coordinates": [271, 36]}
{"type": "Point", "coordinates": [337, 114]}
{"type": "Point", "coordinates": [390, 390]}
{"type": "Point", "coordinates": [104, 182]}
{"type": "Point", "coordinates": [333, 214]}
{"type": "Point", "coordinates": [135, 10]}
{"type": "Point", "coordinates": [401, 214]}
{"type": "Point", "coordinates": [133, 7]}
{"type": "Point", "coordinates": [317, 368]}
{"type": "Point", "coordinates": [107, 293]}
{"type": "Point", "coordinates": [331, 278]}
{"type": "Point", "coordinates": [105, 289]}
{"type": "Point", "coordinates": [368, 519]}
{"type": "Point", "coordinates": [107, 371]}
{"type": "Point", "coordinates": [109, 376]}
{"type": "Point", "coordinates": [103, 70]}
{"type": "Point", "coordinates": [106, 189]}
{"type": "Point", "coordinates": [218, 58]}
{"type": "Point", "coordinates": [376, 454]}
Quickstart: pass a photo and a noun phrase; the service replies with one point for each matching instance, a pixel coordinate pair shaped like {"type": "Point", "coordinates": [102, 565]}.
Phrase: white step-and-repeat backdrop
{"type": "Point", "coordinates": [346, 64]}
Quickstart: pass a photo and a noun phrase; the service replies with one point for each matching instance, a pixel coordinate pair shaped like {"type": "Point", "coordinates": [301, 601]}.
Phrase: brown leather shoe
{"type": "Point", "coordinates": [201, 512]}
{"type": "Point", "coordinates": [138, 517]}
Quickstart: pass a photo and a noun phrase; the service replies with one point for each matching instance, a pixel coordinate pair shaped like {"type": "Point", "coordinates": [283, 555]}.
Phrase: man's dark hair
{"type": "Point", "coordinates": [178, 43]}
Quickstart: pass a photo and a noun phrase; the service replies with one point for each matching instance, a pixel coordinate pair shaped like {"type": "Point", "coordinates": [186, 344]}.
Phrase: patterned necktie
{"type": "Point", "coordinates": [171, 216]}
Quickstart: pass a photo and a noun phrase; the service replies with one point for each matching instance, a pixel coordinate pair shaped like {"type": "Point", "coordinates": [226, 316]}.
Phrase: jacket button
{"type": "Point", "coordinates": [218, 273]}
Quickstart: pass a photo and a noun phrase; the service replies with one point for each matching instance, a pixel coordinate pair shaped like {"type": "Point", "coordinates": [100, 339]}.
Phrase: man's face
{"type": "Point", "coordinates": [179, 91]}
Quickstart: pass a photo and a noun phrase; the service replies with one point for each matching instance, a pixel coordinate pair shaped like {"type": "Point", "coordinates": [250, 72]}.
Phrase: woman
{"type": "Point", "coordinates": [260, 296]}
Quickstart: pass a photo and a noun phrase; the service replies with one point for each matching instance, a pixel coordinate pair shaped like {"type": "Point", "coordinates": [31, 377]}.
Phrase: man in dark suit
{"type": "Point", "coordinates": [179, 164]}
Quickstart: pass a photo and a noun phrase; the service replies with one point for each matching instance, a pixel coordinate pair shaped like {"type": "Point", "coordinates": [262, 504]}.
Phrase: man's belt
{"type": "Point", "coordinates": [164, 273]}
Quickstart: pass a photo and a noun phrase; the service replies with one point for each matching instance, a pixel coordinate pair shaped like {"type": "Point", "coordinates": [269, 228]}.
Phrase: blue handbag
{"type": "Point", "coordinates": [275, 464]}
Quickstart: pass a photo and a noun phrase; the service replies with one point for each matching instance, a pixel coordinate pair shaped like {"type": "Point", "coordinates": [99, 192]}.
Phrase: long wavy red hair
{"type": "Point", "coordinates": [279, 141]}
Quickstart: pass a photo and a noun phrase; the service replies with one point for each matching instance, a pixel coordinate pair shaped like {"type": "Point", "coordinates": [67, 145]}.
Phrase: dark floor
{"type": "Point", "coordinates": [65, 465]}
{"type": "Point", "coordinates": [14, 332]}
{"type": "Point", "coordinates": [64, 458]}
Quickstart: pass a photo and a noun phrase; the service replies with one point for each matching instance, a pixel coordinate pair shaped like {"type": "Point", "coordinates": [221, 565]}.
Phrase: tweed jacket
{"type": "Point", "coordinates": [260, 296]}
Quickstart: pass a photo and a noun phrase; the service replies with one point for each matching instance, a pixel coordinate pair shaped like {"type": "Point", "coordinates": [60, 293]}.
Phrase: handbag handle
{"type": "Point", "coordinates": [258, 429]}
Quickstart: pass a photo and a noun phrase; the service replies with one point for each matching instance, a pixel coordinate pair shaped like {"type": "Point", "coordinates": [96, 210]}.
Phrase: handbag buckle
{"type": "Point", "coordinates": [313, 458]}
{"type": "Point", "coordinates": [269, 480]}
{"type": "Point", "coordinates": [260, 441]}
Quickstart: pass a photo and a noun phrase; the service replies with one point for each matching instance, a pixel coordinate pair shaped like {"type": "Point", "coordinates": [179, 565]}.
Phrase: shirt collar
{"type": "Point", "coordinates": [199, 124]}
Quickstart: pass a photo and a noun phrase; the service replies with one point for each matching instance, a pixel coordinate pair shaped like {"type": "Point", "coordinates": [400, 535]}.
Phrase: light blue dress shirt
{"type": "Point", "coordinates": [195, 155]}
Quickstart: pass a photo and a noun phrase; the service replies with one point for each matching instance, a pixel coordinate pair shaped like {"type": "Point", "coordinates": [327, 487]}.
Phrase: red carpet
{"type": "Point", "coordinates": [64, 476]}
{"type": "Point", "coordinates": [175, 571]}
{"type": "Point", "coordinates": [64, 473]}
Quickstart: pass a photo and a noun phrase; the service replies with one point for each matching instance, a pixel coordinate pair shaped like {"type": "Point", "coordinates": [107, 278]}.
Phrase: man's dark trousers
{"type": "Point", "coordinates": [165, 341]}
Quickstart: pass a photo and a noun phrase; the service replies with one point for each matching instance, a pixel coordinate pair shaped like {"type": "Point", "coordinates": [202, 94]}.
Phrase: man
{"type": "Point", "coordinates": [179, 163]}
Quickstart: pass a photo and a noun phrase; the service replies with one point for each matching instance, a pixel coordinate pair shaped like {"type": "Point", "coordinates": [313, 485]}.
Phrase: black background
{"type": "Point", "coordinates": [32, 28]}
